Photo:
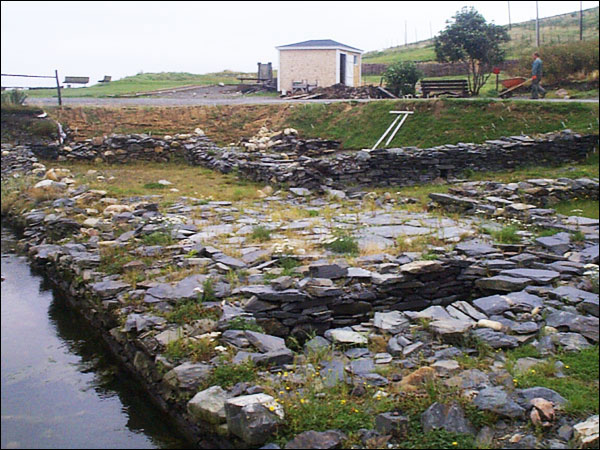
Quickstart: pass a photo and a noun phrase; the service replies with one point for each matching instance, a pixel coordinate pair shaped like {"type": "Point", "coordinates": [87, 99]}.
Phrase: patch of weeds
{"type": "Point", "coordinates": [313, 213]}
{"type": "Point", "coordinates": [507, 235]}
{"type": "Point", "coordinates": [191, 254]}
{"type": "Point", "coordinates": [158, 238]}
{"type": "Point", "coordinates": [208, 291]}
{"type": "Point", "coordinates": [194, 349]}
{"type": "Point", "coordinates": [187, 312]}
{"type": "Point", "coordinates": [417, 438]}
{"type": "Point", "coordinates": [545, 232]}
{"type": "Point", "coordinates": [429, 256]}
{"type": "Point", "coordinates": [228, 375]}
{"type": "Point", "coordinates": [154, 185]}
{"type": "Point", "coordinates": [260, 233]}
{"type": "Point", "coordinates": [578, 236]}
{"type": "Point", "coordinates": [332, 408]}
{"type": "Point", "coordinates": [416, 243]}
{"type": "Point", "coordinates": [288, 265]}
{"type": "Point", "coordinates": [343, 243]}
{"type": "Point", "coordinates": [241, 323]}
{"type": "Point", "coordinates": [112, 259]}
{"type": "Point", "coordinates": [579, 386]}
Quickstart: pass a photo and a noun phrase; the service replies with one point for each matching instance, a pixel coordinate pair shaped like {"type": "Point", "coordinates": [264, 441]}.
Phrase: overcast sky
{"type": "Point", "coordinates": [124, 38]}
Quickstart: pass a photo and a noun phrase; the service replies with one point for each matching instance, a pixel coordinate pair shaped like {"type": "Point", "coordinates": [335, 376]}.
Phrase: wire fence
{"type": "Point", "coordinates": [55, 77]}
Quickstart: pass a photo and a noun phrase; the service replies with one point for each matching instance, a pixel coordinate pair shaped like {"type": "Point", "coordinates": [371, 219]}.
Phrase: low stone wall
{"type": "Point", "coordinates": [400, 166]}
{"type": "Point", "coordinates": [381, 167]}
{"type": "Point", "coordinates": [321, 304]}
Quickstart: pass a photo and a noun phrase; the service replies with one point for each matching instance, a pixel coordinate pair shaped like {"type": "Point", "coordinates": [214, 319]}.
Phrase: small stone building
{"type": "Point", "coordinates": [322, 62]}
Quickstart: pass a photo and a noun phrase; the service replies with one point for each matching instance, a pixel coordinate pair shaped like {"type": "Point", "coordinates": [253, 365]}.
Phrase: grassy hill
{"type": "Point", "coordinates": [143, 82]}
{"type": "Point", "coordinates": [553, 30]}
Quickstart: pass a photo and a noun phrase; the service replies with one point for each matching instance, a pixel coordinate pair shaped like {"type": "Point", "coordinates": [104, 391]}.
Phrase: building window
{"type": "Point", "coordinates": [355, 60]}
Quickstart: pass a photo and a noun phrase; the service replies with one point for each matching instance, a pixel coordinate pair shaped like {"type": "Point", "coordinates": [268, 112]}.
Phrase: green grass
{"type": "Point", "coordinates": [579, 386]}
{"type": "Point", "coordinates": [553, 30]}
{"type": "Point", "coordinates": [142, 82]}
{"type": "Point", "coordinates": [260, 234]}
{"type": "Point", "coordinates": [582, 208]}
{"type": "Point", "coordinates": [240, 323]}
{"type": "Point", "coordinates": [227, 375]}
{"type": "Point", "coordinates": [195, 350]}
{"type": "Point", "coordinates": [440, 122]}
{"type": "Point", "coordinates": [188, 311]}
{"type": "Point", "coordinates": [343, 243]}
{"type": "Point", "coordinates": [507, 235]}
{"type": "Point", "coordinates": [158, 238]}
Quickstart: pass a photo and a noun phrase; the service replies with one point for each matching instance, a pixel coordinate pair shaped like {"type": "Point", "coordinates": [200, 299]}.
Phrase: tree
{"type": "Point", "coordinates": [401, 77]}
{"type": "Point", "coordinates": [473, 42]}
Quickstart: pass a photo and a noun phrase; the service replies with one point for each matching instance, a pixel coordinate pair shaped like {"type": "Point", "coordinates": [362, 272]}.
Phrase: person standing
{"type": "Point", "coordinates": [536, 77]}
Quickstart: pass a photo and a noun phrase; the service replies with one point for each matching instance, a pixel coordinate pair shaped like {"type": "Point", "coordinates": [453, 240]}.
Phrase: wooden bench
{"type": "Point", "coordinates": [76, 80]}
{"type": "Point", "coordinates": [106, 79]}
{"type": "Point", "coordinates": [454, 88]}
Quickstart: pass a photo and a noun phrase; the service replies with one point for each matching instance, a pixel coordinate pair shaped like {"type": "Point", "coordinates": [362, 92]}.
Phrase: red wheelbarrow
{"type": "Point", "coordinates": [510, 84]}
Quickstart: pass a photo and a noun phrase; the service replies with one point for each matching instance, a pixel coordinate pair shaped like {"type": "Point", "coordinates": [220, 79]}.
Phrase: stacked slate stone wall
{"type": "Point", "coordinates": [320, 304]}
{"type": "Point", "coordinates": [401, 166]}
{"type": "Point", "coordinates": [381, 167]}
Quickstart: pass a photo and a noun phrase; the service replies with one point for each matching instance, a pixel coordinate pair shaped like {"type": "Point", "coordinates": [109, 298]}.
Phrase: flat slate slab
{"type": "Point", "coordinates": [536, 275]}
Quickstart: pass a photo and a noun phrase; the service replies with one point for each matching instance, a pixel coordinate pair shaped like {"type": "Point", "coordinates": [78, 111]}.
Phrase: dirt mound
{"type": "Point", "coordinates": [342, 91]}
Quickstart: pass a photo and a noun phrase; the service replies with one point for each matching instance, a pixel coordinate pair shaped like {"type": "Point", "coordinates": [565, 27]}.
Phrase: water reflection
{"type": "Point", "coordinates": [60, 386]}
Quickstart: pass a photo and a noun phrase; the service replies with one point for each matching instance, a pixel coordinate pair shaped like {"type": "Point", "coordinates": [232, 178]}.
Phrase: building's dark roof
{"type": "Point", "coordinates": [319, 43]}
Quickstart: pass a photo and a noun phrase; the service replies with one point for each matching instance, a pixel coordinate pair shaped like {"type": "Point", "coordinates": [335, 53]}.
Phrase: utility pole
{"type": "Point", "coordinates": [581, 21]}
{"type": "Point", "coordinates": [537, 26]}
{"type": "Point", "coordinates": [509, 24]}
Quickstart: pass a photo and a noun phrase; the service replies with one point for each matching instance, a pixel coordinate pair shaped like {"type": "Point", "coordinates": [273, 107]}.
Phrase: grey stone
{"type": "Point", "coordinates": [536, 275]}
{"type": "Point", "coordinates": [392, 423]}
{"type": "Point", "coordinates": [187, 375]}
{"type": "Point", "coordinates": [475, 248]}
{"type": "Point", "coordinates": [108, 288]}
{"type": "Point", "coordinates": [503, 283]}
{"type": "Point", "coordinates": [495, 339]}
{"type": "Point", "coordinates": [253, 418]}
{"type": "Point", "coordinates": [390, 322]}
{"type": "Point", "coordinates": [317, 439]}
{"type": "Point", "coordinates": [361, 366]}
{"type": "Point", "coordinates": [558, 243]}
{"type": "Point", "coordinates": [448, 417]}
{"type": "Point", "coordinates": [265, 342]}
{"type": "Point", "coordinates": [589, 306]}
{"type": "Point", "coordinates": [345, 336]}
{"type": "Point", "coordinates": [493, 304]}
{"type": "Point", "coordinates": [209, 405]}
{"type": "Point", "coordinates": [585, 325]}
{"type": "Point", "coordinates": [469, 379]}
{"type": "Point", "coordinates": [496, 400]}
{"type": "Point", "coordinates": [331, 271]}
{"type": "Point", "coordinates": [450, 329]}
{"type": "Point", "coordinates": [316, 344]}
{"type": "Point", "coordinates": [570, 342]}
{"type": "Point", "coordinates": [524, 396]}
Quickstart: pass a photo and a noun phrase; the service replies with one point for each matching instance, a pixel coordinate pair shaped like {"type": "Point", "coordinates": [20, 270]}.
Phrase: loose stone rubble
{"type": "Point", "coordinates": [426, 309]}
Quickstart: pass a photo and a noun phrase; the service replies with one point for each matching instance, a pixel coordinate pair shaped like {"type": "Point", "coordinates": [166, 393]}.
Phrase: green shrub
{"type": "Point", "coordinates": [260, 234]}
{"type": "Point", "coordinates": [564, 60]}
{"type": "Point", "coordinates": [44, 128]}
{"type": "Point", "coordinates": [188, 311]}
{"type": "Point", "coordinates": [240, 323]}
{"type": "Point", "coordinates": [13, 97]}
{"type": "Point", "coordinates": [158, 238]}
{"type": "Point", "coordinates": [343, 243]}
{"type": "Point", "coordinates": [227, 375]}
{"type": "Point", "coordinates": [401, 77]}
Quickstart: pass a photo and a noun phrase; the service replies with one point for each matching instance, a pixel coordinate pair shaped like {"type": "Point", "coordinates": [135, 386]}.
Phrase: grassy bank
{"type": "Point", "coordinates": [553, 30]}
{"type": "Point", "coordinates": [143, 82]}
{"type": "Point", "coordinates": [356, 125]}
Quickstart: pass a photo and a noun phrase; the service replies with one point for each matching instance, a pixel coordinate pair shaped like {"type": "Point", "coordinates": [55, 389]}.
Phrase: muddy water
{"type": "Point", "coordinates": [60, 386]}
